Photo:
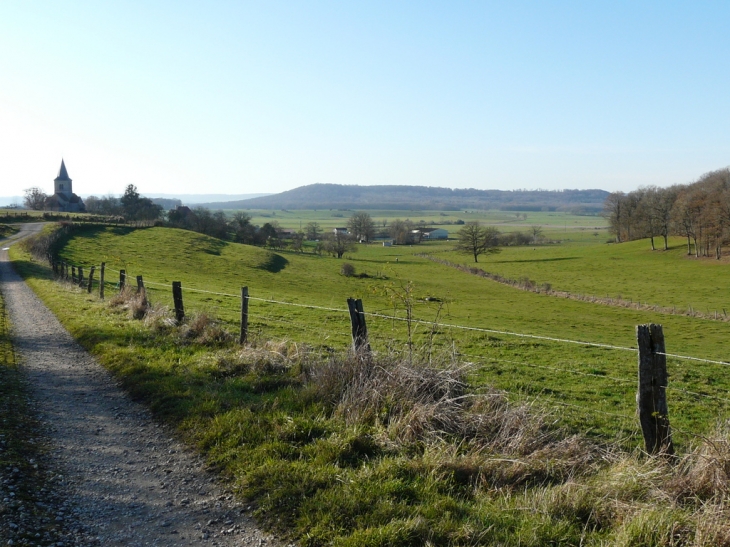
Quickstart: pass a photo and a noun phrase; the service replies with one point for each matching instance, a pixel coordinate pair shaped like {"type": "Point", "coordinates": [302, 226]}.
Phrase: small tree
{"type": "Point", "coordinates": [361, 225]}
{"type": "Point", "coordinates": [313, 231]}
{"type": "Point", "coordinates": [35, 199]}
{"type": "Point", "coordinates": [476, 240]}
{"type": "Point", "coordinates": [135, 207]}
{"type": "Point", "coordinates": [401, 231]}
{"type": "Point", "coordinates": [536, 232]}
{"type": "Point", "coordinates": [339, 243]}
{"type": "Point", "coordinates": [297, 242]}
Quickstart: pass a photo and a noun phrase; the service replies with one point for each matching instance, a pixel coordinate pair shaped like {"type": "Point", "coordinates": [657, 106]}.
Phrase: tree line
{"type": "Point", "coordinates": [699, 212]}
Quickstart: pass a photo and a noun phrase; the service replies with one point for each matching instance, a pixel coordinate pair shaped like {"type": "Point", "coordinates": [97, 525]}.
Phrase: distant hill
{"type": "Point", "coordinates": [194, 199]}
{"type": "Point", "coordinates": [339, 196]}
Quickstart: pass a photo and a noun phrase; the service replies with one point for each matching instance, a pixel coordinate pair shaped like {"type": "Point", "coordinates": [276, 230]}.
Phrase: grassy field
{"type": "Point", "coordinates": [592, 387]}
{"type": "Point", "coordinates": [328, 479]}
{"type": "Point", "coordinates": [557, 225]}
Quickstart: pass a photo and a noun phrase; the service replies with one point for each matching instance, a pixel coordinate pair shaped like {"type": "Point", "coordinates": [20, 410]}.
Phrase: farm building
{"type": "Point", "coordinates": [430, 233]}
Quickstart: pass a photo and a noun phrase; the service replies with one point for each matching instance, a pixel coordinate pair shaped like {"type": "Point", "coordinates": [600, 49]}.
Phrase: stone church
{"type": "Point", "coordinates": [63, 198]}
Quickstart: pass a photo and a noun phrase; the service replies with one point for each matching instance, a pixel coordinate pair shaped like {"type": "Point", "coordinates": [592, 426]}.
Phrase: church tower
{"type": "Point", "coordinates": [62, 182]}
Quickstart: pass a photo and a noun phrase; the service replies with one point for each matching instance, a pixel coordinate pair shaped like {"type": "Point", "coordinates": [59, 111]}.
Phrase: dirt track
{"type": "Point", "coordinates": [122, 478]}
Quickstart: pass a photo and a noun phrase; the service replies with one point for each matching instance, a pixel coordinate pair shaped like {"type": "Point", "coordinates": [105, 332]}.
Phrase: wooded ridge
{"type": "Point", "coordinates": [340, 196]}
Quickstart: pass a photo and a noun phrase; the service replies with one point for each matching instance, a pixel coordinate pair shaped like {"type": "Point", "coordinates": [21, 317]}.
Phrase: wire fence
{"type": "Point", "coordinates": [595, 392]}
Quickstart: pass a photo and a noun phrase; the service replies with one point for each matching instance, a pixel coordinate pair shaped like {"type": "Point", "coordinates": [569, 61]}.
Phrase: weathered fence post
{"type": "Point", "coordinates": [73, 274]}
{"type": "Point", "coordinates": [101, 280]}
{"type": "Point", "coordinates": [652, 396]}
{"type": "Point", "coordinates": [141, 289]}
{"type": "Point", "coordinates": [177, 300]}
{"type": "Point", "coordinates": [81, 276]}
{"type": "Point", "coordinates": [359, 328]}
{"type": "Point", "coordinates": [122, 279]}
{"type": "Point", "coordinates": [244, 316]}
{"type": "Point", "coordinates": [91, 279]}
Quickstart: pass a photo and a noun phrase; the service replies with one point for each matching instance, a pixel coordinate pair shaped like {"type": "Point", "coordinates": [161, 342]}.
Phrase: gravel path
{"type": "Point", "coordinates": [122, 479]}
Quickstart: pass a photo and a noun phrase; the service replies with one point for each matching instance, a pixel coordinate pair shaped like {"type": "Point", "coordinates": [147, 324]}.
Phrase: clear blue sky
{"type": "Point", "coordinates": [242, 97]}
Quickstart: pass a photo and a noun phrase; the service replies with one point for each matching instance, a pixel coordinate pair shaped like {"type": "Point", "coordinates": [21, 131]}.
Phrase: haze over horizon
{"type": "Point", "coordinates": [239, 98]}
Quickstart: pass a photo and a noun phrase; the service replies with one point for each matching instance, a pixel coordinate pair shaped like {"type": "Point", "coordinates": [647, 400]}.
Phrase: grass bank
{"type": "Point", "coordinates": [342, 451]}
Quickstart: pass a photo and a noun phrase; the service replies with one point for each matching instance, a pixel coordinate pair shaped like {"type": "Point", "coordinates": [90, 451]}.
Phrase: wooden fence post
{"type": "Point", "coordinates": [81, 276]}
{"type": "Point", "coordinates": [101, 280]}
{"type": "Point", "coordinates": [177, 299]}
{"type": "Point", "coordinates": [359, 328]}
{"type": "Point", "coordinates": [141, 289]}
{"type": "Point", "coordinates": [122, 279]}
{"type": "Point", "coordinates": [652, 396]}
{"type": "Point", "coordinates": [91, 279]}
{"type": "Point", "coordinates": [73, 274]}
{"type": "Point", "coordinates": [244, 316]}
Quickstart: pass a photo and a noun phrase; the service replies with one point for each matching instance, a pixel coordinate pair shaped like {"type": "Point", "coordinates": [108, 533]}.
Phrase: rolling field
{"type": "Point", "coordinates": [593, 387]}
{"type": "Point", "coordinates": [314, 474]}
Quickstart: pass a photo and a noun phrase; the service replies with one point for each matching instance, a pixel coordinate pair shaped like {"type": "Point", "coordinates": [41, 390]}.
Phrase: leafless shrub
{"type": "Point", "coordinates": [44, 246]}
{"type": "Point", "coordinates": [347, 269]}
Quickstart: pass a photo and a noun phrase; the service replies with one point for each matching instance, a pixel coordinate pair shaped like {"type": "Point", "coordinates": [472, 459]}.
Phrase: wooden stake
{"type": "Point", "coordinates": [81, 277]}
{"type": "Point", "coordinates": [91, 279]}
{"type": "Point", "coordinates": [122, 279]}
{"type": "Point", "coordinates": [652, 397]}
{"type": "Point", "coordinates": [140, 288]}
{"type": "Point", "coordinates": [73, 274]}
{"type": "Point", "coordinates": [177, 299]}
{"type": "Point", "coordinates": [359, 328]}
{"type": "Point", "coordinates": [101, 280]}
{"type": "Point", "coordinates": [244, 316]}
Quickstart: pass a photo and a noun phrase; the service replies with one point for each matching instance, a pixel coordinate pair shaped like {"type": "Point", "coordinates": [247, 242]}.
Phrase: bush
{"type": "Point", "coordinates": [348, 270]}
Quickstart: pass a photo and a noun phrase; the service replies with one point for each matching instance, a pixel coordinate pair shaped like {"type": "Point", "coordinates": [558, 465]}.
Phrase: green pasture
{"type": "Point", "coordinates": [631, 271]}
{"type": "Point", "coordinates": [557, 225]}
{"type": "Point", "coordinates": [311, 476]}
{"type": "Point", "coordinates": [593, 387]}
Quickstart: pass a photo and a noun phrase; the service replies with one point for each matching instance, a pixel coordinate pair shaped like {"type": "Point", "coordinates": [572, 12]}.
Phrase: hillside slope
{"type": "Point", "coordinates": [339, 196]}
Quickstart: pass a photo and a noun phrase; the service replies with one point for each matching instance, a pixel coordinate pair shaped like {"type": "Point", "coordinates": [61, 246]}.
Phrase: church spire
{"type": "Point", "coordinates": [62, 173]}
{"type": "Point", "coordinates": [62, 183]}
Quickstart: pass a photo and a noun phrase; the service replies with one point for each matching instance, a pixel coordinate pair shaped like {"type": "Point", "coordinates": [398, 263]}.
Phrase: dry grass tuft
{"type": "Point", "coordinates": [135, 303]}
{"type": "Point", "coordinates": [499, 443]}
{"type": "Point", "coordinates": [704, 473]}
{"type": "Point", "coordinates": [264, 359]}
{"type": "Point", "coordinates": [202, 328]}
{"type": "Point", "coordinates": [160, 319]}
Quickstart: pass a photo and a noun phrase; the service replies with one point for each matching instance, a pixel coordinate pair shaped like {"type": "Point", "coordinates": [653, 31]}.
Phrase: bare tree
{"type": "Point", "coordinates": [612, 210]}
{"type": "Point", "coordinates": [35, 198]}
{"type": "Point", "coordinates": [400, 231]}
{"type": "Point", "coordinates": [313, 231]}
{"type": "Point", "coordinates": [338, 243]}
{"type": "Point", "coordinates": [476, 240]}
{"type": "Point", "coordinates": [361, 225]}
{"type": "Point", "coordinates": [536, 232]}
